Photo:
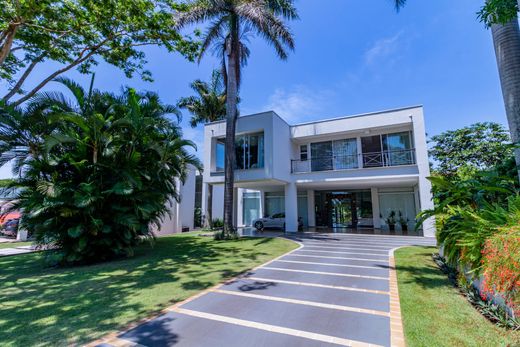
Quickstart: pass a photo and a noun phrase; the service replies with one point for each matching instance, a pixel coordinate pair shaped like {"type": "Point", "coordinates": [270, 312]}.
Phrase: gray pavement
{"type": "Point", "coordinates": [332, 291]}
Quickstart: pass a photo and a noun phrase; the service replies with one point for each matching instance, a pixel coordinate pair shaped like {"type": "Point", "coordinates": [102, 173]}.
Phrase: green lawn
{"type": "Point", "coordinates": [434, 312]}
{"type": "Point", "coordinates": [48, 306]}
{"type": "Point", "coordinates": [13, 244]}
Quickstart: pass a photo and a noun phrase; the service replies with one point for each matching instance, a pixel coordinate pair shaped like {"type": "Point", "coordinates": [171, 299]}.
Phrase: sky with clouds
{"type": "Point", "coordinates": [351, 57]}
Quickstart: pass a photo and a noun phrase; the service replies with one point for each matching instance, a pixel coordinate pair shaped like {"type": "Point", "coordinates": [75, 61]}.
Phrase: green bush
{"type": "Point", "coordinates": [217, 223]}
{"type": "Point", "coordinates": [97, 171]}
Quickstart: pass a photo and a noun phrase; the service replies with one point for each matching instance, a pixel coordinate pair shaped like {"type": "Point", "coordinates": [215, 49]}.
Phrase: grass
{"type": "Point", "coordinates": [13, 244]}
{"type": "Point", "coordinates": [63, 306]}
{"type": "Point", "coordinates": [435, 313]}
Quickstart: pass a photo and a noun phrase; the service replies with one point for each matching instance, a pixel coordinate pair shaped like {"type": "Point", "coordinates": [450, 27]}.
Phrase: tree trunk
{"type": "Point", "coordinates": [231, 118]}
{"type": "Point", "coordinates": [506, 39]}
{"type": "Point", "coordinates": [209, 206]}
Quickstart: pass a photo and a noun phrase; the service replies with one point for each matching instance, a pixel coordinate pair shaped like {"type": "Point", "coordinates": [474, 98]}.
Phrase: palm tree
{"type": "Point", "coordinates": [102, 173]}
{"type": "Point", "coordinates": [501, 16]}
{"type": "Point", "coordinates": [229, 22]}
{"type": "Point", "coordinates": [209, 105]}
{"type": "Point", "coordinates": [506, 40]}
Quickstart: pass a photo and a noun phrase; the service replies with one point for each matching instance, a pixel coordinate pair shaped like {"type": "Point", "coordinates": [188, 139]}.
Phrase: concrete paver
{"type": "Point", "coordinates": [338, 289]}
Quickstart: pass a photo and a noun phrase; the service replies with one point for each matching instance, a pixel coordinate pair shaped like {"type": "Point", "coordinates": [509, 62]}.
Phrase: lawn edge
{"type": "Point", "coordinates": [113, 339]}
{"type": "Point", "coordinates": [397, 337]}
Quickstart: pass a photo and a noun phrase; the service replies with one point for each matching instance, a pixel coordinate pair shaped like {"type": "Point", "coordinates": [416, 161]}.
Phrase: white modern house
{"type": "Point", "coordinates": [341, 173]}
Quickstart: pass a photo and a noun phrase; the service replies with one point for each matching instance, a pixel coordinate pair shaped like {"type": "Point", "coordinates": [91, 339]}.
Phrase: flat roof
{"type": "Point", "coordinates": [327, 119]}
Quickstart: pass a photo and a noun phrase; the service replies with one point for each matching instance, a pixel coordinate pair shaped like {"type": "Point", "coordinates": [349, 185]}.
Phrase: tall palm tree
{"type": "Point", "coordinates": [229, 20]}
{"type": "Point", "coordinates": [501, 16]}
{"type": "Point", "coordinates": [209, 105]}
{"type": "Point", "coordinates": [506, 40]}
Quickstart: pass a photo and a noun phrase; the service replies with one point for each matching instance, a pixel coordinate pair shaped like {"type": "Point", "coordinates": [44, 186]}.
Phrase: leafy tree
{"type": "Point", "coordinates": [476, 147]}
{"type": "Point", "coordinates": [103, 173]}
{"type": "Point", "coordinates": [502, 17]}
{"type": "Point", "coordinates": [229, 23]}
{"type": "Point", "coordinates": [209, 105]}
{"type": "Point", "coordinates": [80, 33]}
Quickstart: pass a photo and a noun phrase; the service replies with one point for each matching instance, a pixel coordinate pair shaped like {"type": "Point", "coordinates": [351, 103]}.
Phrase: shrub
{"type": "Point", "coordinates": [501, 265]}
{"type": "Point", "coordinates": [217, 223]}
{"type": "Point", "coordinates": [103, 174]}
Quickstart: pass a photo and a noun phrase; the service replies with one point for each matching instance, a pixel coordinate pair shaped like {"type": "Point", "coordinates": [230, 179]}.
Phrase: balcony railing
{"type": "Point", "coordinates": [359, 161]}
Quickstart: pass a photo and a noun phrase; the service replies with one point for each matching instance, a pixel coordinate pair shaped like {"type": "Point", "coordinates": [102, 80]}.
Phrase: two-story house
{"type": "Point", "coordinates": [347, 172]}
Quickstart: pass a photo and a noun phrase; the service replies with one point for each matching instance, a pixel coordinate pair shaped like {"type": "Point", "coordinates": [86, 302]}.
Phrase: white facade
{"type": "Point", "coordinates": [344, 172]}
{"type": "Point", "coordinates": [181, 213]}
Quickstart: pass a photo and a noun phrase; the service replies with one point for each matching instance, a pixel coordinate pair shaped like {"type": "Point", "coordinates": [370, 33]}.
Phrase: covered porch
{"type": "Point", "coordinates": [386, 206]}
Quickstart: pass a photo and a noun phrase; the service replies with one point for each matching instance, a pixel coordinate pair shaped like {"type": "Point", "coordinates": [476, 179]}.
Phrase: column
{"type": "Point", "coordinates": [375, 208]}
{"type": "Point", "coordinates": [291, 207]}
{"type": "Point", "coordinates": [359, 153]}
{"type": "Point", "coordinates": [262, 204]}
{"type": "Point", "coordinates": [235, 206]}
{"type": "Point", "coordinates": [240, 207]}
{"type": "Point", "coordinates": [311, 213]}
{"type": "Point", "coordinates": [421, 157]}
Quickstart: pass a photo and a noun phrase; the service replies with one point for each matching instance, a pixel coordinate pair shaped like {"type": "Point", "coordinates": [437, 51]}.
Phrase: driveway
{"type": "Point", "coordinates": [337, 289]}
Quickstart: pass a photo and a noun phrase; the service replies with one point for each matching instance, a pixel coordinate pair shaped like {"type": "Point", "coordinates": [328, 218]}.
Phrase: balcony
{"type": "Point", "coordinates": [359, 161]}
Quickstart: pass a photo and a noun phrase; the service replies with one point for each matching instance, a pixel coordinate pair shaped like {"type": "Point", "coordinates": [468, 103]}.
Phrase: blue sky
{"type": "Point", "coordinates": [352, 56]}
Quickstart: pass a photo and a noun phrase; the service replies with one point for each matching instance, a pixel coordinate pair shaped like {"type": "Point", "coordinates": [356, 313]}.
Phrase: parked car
{"type": "Point", "coordinates": [276, 220]}
{"type": "Point", "coordinates": [10, 228]}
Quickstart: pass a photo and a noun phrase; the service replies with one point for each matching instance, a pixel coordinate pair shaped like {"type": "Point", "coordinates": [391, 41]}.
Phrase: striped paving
{"type": "Point", "coordinates": [335, 290]}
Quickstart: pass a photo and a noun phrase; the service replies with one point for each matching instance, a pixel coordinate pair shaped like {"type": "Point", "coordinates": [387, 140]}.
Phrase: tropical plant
{"type": "Point", "coordinates": [502, 17]}
{"type": "Point", "coordinates": [209, 105]}
{"type": "Point", "coordinates": [501, 264]}
{"type": "Point", "coordinates": [391, 220]}
{"type": "Point", "coordinates": [78, 33]}
{"type": "Point", "coordinates": [103, 175]}
{"type": "Point", "coordinates": [477, 147]}
{"type": "Point", "coordinates": [230, 22]}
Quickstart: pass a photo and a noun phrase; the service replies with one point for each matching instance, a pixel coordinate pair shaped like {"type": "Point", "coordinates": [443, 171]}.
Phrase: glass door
{"type": "Point", "coordinates": [321, 156]}
{"type": "Point", "coordinates": [372, 151]}
{"type": "Point", "coordinates": [342, 210]}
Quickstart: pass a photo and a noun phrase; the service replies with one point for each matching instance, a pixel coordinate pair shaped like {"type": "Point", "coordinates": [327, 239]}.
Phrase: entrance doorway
{"type": "Point", "coordinates": [343, 209]}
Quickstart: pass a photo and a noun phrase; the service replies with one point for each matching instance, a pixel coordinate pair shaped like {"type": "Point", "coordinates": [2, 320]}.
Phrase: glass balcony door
{"type": "Point", "coordinates": [372, 148]}
{"type": "Point", "coordinates": [321, 156]}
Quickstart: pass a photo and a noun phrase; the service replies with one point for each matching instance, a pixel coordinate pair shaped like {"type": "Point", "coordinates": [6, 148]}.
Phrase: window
{"type": "Point", "coordinates": [397, 148]}
{"type": "Point", "coordinates": [249, 150]}
{"type": "Point", "coordinates": [334, 155]}
{"type": "Point", "coordinates": [303, 152]}
{"type": "Point", "coordinates": [220, 155]}
{"type": "Point", "coordinates": [388, 149]}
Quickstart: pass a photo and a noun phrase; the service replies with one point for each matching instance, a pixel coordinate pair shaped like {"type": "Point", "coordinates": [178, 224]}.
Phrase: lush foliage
{"type": "Point", "coordinates": [209, 103]}
{"type": "Point", "coordinates": [501, 264]}
{"type": "Point", "coordinates": [498, 11]}
{"type": "Point", "coordinates": [99, 171]}
{"type": "Point", "coordinates": [79, 33]}
{"type": "Point", "coordinates": [476, 147]}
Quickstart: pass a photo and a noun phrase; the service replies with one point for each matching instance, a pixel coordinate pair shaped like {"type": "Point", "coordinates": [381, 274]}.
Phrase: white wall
{"type": "Point", "coordinates": [182, 212]}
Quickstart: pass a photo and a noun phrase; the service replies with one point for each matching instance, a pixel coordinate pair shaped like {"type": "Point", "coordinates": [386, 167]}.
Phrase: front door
{"type": "Point", "coordinates": [341, 210]}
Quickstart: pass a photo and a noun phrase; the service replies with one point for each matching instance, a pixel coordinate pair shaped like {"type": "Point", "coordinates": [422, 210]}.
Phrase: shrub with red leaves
{"type": "Point", "coordinates": [501, 266]}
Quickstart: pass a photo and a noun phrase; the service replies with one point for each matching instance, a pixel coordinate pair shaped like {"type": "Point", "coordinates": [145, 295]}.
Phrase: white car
{"type": "Point", "coordinates": [276, 220]}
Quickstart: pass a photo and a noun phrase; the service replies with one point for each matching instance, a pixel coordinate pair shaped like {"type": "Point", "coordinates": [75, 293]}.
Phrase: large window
{"type": "Point", "coordinates": [334, 155]}
{"type": "Point", "coordinates": [249, 151]}
{"type": "Point", "coordinates": [251, 207]}
{"type": "Point", "coordinates": [388, 149]}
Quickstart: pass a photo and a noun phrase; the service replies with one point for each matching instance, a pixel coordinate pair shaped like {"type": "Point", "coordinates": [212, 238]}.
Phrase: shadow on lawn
{"type": "Point", "coordinates": [40, 305]}
{"type": "Point", "coordinates": [425, 274]}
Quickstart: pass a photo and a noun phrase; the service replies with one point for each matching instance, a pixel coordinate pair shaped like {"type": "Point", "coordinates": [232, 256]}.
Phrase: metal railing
{"type": "Point", "coordinates": [356, 161]}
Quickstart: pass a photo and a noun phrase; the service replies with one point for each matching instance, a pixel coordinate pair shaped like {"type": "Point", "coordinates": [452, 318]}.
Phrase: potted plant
{"type": "Point", "coordinates": [391, 220]}
{"type": "Point", "coordinates": [403, 222]}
